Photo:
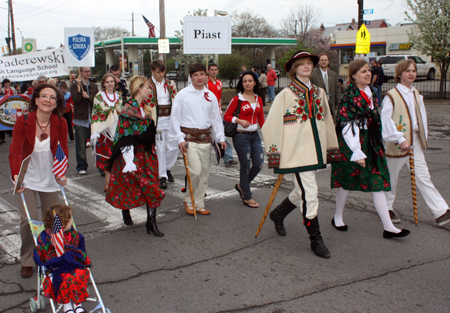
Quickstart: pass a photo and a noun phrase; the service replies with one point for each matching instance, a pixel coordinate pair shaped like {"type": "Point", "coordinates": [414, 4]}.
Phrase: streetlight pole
{"type": "Point", "coordinates": [218, 13]}
{"type": "Point", "coordinates": [360, 13]}
{"type": "Point", "coordinates": [13, 32]}
{"type": "Point", "coordinates": [162, 24]}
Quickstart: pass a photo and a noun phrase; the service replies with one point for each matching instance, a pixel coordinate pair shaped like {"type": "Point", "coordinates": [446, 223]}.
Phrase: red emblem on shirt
{"type": "Point", "coordinates": [207, 97]}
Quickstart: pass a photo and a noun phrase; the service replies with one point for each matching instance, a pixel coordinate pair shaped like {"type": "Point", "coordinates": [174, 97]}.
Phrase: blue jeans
{"type": "Point", "coordinates": [82, 134]}
{"type": "Point", "coordinates": [251, 156]}
{"type": "Point", "coordinates": [228, 155]}
{"type": "Point", "coordinates": [271, 93]}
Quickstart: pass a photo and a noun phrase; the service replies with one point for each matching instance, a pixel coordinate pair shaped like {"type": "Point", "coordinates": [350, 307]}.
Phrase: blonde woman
{"type": "Point", "coordinates": [134, 164]}
{"type": "Point", "coordinates": [105, 115]}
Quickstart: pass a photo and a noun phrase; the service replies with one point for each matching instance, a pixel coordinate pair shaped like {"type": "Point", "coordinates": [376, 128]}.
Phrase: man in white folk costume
{"type": "Point", "coordinates": [195, 119]}
{"type": "Point", "coordinates": [162, 93]}
{"type": "Point", "coordinates": [297, 134]}
{"type": "Point", "coordinates": [404, 121]}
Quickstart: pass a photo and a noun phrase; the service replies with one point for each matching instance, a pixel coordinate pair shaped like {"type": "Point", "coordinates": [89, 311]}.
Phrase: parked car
{"type": "Point", "coordinates": [424, 68]}
{"type": "Point", "coordinates": [172, 75]}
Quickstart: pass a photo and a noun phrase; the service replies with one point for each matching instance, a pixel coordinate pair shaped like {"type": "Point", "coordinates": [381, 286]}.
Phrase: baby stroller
{"type": "Point", "coordinates": [38, 302]}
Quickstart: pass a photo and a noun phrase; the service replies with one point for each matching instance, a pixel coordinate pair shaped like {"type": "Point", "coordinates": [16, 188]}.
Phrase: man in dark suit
{"type": "Point", "coordinates": [325, 78]}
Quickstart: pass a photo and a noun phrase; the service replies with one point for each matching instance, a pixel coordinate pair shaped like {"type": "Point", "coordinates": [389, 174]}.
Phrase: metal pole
{"type": "Point", "coordinates": [360, 13]}
{"type": "Point", "coordinates": [121, 48]}
{"type": "Point", "coordinates": [132, 24]}
{"type": "Point", "coordinates": [9, 28]}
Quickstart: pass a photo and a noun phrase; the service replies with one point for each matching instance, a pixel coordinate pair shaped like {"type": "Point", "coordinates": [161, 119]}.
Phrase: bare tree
{"type": "Point", "coordinates": [104, 33]}
{"type": "Point", "coordinates": [248, 24]}
{"type": "Point", "coordinates": [302, 19]}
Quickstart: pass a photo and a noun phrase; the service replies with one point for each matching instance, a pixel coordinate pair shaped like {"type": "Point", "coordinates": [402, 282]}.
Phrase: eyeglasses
{"type": "Point", "coordinates": [48, 98]}
{"type": "Point", "coordinates": [87, 71]}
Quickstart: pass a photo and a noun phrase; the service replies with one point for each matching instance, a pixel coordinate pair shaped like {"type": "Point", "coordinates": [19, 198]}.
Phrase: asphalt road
{"type": "Point", "coordinates": [215, 264]}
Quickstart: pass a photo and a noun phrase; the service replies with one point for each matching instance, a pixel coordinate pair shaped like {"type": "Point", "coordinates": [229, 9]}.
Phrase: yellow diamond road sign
{"type": "Point", "coordinates": [362, 40]}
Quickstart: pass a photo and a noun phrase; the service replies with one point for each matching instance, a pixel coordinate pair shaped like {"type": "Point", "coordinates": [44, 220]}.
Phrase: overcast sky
{"type": "Point", "coordinates": [45, 19]}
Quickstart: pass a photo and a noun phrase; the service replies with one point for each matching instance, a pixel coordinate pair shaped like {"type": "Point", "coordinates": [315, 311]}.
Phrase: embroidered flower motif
{"type": "Point", "coordinates": [318, 101]}
{"type": "Point", "coordinates": [304, 117]}
{"type": "Point", "coordinates": [299, 110]}
{"type": "Point", "coordinates": [319, 116]}
{"type": "Point", "coordinates": [94, 117]}
{"type": "Point", "coordinates": [103, 117]}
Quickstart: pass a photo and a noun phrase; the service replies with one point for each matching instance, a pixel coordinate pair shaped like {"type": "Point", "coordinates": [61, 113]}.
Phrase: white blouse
{"type": "Point", "coordinates": [39, 176]}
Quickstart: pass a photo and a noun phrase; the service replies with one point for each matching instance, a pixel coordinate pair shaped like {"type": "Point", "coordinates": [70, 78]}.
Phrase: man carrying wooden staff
{"type": "Point", "coordinates": [195, 117]}
{"type": "Point", "coordinates": [297, 134]}
{"type": "Point", "coordinates": [404, 121]}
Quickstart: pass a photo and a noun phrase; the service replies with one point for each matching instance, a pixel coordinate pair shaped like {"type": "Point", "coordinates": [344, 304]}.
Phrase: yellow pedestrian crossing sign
{"type": "Point", "coordinates": [362, 41]}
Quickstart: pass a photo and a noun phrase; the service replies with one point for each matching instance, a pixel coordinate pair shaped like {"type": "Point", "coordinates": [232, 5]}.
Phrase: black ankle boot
{"type": "Point", "coordinates": [170, 177]}
{"type": "Point", "coordinates": [279, 213]}
{"type": "Point", "coordinates": [151, 223]}
{"type": "Point", "coordinates": [317, 245]}
{"type": "Point", "coordinates": [127, 217]}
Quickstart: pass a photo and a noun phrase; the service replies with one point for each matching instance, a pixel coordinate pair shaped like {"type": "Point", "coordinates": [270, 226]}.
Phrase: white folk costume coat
{"type": "Point", "coordinates": [152, 100]}
{"type": "Point", "coordinates": [299, 130]}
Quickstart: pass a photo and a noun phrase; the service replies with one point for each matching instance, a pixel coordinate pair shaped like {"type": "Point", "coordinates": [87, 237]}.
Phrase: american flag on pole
{"type": "Point", "coordinates": [58, 236]}
{"type": "Point", "coordinates": [60, 162]}
{"type": "Point", "coordinates": [151, 28]}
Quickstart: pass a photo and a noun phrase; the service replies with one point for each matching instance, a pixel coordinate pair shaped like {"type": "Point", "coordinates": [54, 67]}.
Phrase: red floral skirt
{"type": "Point", "coordinates": [73, 287]}
{"type": "Point", "coordinates": [103, 150]}
{"type": "Point", "coordinates": [134, 189]}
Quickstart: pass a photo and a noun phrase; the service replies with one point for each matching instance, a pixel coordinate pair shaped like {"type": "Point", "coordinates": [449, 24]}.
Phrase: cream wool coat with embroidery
{"type": "Point", "coordinates": [293, 142]}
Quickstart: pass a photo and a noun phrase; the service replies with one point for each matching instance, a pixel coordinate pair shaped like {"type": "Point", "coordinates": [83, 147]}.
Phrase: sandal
{"type": "Point", "coordinates": [253, 205]}
{"type": "Point", "coordinates": [238, 188]}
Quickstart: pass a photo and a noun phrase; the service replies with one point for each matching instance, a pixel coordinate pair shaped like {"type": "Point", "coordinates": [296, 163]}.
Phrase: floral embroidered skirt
{"type": "Point", "coordinates": [73, 287]}
{"type": "Point", "coordinates": [351, 176]}
{"type": "Point", "coordinates": [103, 150]}
{"type": "Point", "coordinates": [134, 189]}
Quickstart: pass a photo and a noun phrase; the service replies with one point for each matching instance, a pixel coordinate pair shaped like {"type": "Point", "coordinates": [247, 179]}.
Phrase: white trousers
{"type": "Point", "coordinates": [432, 197]}
{"type": "Point", "coordinates": [199, 158]}
{"type": "Point", "coordinates": [305, 194]}
{"type": "Point", "coordinates": [166, 157]}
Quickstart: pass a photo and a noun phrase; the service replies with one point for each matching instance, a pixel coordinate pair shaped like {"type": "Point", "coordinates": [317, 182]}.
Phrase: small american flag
{"type": "Point", "coordinates": [58, 236]}
{"type": "Point", "coordinates": [60, 162]}
{"type": "Point", "coordinates": [151, 28]}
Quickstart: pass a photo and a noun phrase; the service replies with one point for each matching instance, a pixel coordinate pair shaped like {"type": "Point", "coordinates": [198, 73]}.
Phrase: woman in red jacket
{"type": "Point", "coordinates": [38, 135]}
{"type": "Point", "coordinates": [246, 141]}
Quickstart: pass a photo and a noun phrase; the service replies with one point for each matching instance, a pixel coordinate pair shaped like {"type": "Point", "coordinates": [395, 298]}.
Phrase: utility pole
{"type": "Point", "coordinates": [13, 31]}
{"type": "Point", "coordinates": [132, 24]}
{"type": "Point", "coordinates": [360, 13]}
{"type": "Point", "coordinates": [162, 24]}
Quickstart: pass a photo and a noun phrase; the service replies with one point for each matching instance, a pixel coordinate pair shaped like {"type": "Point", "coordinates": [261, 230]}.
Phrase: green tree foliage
{"type": "Point", "coordinates": [431, 32]}
{"type": "Point", "coordinates": [147, 59]}
{"type": "Point", "coordinates": [100, 65]}
{"type": "Point", "coordinates": [230, 66]}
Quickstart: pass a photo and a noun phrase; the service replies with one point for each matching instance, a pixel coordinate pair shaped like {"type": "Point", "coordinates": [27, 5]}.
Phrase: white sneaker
{"type": "Point", "coordinates": [88, 144]}
{"type": "Point", "coordinates": [82, 172]}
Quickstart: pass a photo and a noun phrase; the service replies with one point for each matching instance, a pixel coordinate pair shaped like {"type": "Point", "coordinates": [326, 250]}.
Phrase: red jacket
{"type": "Point", "coordinates": [24, 135]}
{"type": "Point", "coordinates": [246, 112]}
{"type": "Point", "coordinates": [271, 78]}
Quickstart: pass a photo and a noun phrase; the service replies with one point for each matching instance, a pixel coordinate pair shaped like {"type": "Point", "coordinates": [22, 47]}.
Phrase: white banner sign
{"type": "Point", "coordinates": [163, 46]}
{"type": "Point", "coordinates": [203, 35]}
{"type": "Point", "coordinates": [29, 66]}
{"type": "Point", "coordinates": [79, 46]}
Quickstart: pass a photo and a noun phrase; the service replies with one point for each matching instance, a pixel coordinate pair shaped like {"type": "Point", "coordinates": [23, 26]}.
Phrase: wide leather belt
{"type": "Point", "coordinates": [164, 110]}
{"type": "Point", "coordinates": [197, 135]}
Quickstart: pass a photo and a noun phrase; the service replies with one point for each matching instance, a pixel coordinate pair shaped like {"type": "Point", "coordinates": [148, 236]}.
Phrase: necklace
{"type": "Point", "coordinates": [113, 100]}
{"type": "Point", "coordinates": [43, 129]}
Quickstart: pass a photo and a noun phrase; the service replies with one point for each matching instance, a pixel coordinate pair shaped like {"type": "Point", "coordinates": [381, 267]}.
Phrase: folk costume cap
{"type": "Point", "coordinates": [301, 54]}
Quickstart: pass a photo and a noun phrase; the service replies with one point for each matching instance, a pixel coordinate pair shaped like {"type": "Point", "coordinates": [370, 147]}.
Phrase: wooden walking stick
{"type": "Point", "coordinates": [188, 174]}
{"type": "Point", "coordinates": [269, 204]}
{"type": "Point", "coordinates": [413, 183]}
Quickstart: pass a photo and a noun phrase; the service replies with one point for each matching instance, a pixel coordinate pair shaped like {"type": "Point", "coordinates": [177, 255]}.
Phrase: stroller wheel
{"type": "Point", "coordinates": [33, 305]}
{"type": "Point", "coordinates": [42, 302]}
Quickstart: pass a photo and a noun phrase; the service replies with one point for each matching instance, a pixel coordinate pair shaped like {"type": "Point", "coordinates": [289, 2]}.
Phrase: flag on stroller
{"type": "Point", "coordinates": [60, 162]}
{"type": "Point", "coordinates": [58, 236]}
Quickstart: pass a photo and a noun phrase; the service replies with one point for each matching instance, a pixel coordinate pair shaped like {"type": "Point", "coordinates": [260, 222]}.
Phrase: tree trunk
{"type": "Point", "coordinates": [444, 69]}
